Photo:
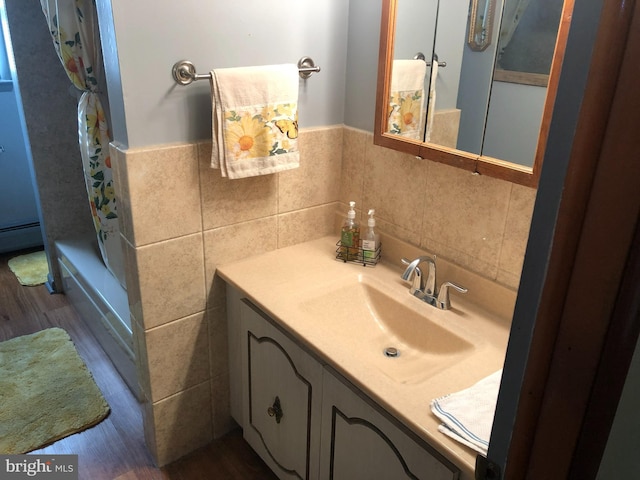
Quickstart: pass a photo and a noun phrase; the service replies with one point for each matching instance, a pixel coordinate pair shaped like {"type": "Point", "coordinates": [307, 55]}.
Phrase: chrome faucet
{"type": "Point", "coordinates": [426, 290]}
{"type": "Point", "coordinates": [413, 274]}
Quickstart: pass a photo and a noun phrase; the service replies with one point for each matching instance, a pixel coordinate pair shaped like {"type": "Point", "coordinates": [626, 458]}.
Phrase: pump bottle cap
{"type": "Point", "coordinates": [372, 221]}
{"type": "Point", "coordinates": [351, 213]}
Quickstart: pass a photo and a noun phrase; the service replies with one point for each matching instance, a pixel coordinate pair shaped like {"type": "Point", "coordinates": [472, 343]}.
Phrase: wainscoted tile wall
{"type": "Point", "coordinates": [478, 222]}
{"type": "Point", "coordinates": [180, 219]}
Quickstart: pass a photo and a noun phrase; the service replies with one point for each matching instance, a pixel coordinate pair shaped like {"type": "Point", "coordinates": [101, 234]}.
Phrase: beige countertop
{"type": "Point", "coordinates": [289, 283]}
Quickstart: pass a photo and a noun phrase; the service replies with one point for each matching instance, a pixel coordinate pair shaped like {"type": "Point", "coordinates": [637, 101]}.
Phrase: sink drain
{"type": "Point", "coordinates": [391, 352]}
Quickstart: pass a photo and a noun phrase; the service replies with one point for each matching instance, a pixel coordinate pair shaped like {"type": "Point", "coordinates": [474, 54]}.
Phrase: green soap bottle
{"type": "Point", "coordinates": [371, 239]}
{"type": "Point", "coordinates": [350, 235]}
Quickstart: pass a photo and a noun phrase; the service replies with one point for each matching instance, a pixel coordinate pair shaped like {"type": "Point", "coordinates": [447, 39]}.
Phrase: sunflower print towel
{"type": "Point", "coordinates": [405, 114]}
{"type": "Point", "coordinates": [255, 120]}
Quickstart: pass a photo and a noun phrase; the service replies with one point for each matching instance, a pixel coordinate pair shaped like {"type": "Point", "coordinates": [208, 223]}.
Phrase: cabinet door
{"type": "Point", "coordinates": [282, 398]}
{"type": "Point", "coordinates": [361, 442]}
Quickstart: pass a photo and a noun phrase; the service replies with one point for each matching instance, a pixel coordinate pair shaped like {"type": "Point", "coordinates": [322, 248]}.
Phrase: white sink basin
{"type": "Point", "coordinates": [362, 316]}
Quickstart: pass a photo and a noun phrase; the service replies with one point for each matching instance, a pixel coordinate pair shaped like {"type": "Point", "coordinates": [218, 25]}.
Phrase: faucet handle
{"type": "Point", "coordinates": [443, 301]}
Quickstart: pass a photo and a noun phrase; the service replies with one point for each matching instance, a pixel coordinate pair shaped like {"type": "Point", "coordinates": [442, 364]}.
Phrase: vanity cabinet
{"type": "Point", "coordinates": [282, 397]}
{"type": "Point", "coordinates": [305, 420]}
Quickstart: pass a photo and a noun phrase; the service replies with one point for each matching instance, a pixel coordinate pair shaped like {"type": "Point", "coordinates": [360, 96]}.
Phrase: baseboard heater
{"type": "Point", "coordinates": [18, 237]}
{"type": "Point", "coordinates": [15, 228]}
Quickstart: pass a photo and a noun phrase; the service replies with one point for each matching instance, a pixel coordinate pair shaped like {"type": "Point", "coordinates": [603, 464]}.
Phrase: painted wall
{"type": "Point", "coordinates": [212, 35]}
{"type": "Point", "coordinates": [416, 24]}
{"type": "Point", "coordinates": [475, 88]}
{"type": "Point", "coordinates": [15, 175]}
{"type": "Point", "coordinates": [18, 206]}
{"type": "Point", "coordinates": [450, 42]}
{"type": "Point", "coordinates": [362, 63]}
{"type": "Point", "coordinates": [512, 133]}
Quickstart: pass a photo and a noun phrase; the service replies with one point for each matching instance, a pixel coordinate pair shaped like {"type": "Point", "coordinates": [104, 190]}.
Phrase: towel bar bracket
{"type": "Point", "coordinates": [184, 72]}
{"type": "Point", "coordinates": [306, 67]}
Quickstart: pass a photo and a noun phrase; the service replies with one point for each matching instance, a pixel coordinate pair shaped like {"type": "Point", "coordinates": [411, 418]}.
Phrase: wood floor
{"type": "Point", "coordinates": [115, 448]}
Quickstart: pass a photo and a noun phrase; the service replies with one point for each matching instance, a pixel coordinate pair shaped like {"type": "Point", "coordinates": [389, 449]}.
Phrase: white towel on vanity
{"type": "Point", "coordinates": [255, 120]}
{"type": "Point", "coordinates": [468, 414]}
{"type": "Point", "coordinates": [406, 101]}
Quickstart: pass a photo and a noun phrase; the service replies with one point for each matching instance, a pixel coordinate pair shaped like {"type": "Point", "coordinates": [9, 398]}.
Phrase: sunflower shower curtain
{"type": "Point", "coordinates": [73, 27]}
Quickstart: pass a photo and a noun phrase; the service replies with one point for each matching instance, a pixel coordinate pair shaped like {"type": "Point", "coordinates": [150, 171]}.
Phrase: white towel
{"type": "Point", "coordinates": [431, 104]}
{"type": "Point", "coordinates": [255, 120]}
{"type": "Point", "coordinates": [406, 102]}
{"type": "Point", "coordinates": [468, 414]}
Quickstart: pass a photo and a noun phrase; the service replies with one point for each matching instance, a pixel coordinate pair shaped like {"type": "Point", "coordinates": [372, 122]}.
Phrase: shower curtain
{"type": "Point", "coordinates": [511, 16]}
{"type": "Point", "coordinates": [73, 27]}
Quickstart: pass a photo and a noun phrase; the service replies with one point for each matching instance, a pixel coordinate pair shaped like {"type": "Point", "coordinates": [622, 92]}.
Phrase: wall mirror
{"type": "Point", "coordinates": [482, 97]}
{"type": "Point", "coordinates": [480, 31]}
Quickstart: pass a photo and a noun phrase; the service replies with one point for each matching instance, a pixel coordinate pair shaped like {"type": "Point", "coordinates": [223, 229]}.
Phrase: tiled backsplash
{"type": "Point", "coordinates": [478, 222]}
{"type": "Point", "coordinates": [180, 219]}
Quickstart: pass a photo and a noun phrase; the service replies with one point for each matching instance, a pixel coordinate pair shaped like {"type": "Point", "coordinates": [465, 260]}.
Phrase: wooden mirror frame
{"type": "Point", "coordinates": [479, 164]}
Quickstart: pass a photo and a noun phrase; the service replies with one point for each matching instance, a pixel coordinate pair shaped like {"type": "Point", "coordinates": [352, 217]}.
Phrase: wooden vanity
{"type": "Point", "coordinates": [312, 394]}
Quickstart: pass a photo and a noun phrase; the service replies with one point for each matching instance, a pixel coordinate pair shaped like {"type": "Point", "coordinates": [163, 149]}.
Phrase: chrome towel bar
{"type": "Point", "coordinates": [420, 56]}
{"type": "Point", "coordinates": [184, 72]}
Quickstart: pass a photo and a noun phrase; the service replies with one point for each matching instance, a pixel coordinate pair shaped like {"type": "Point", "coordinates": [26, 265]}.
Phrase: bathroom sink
{"type": "Point", "coordinates": [403, 342]}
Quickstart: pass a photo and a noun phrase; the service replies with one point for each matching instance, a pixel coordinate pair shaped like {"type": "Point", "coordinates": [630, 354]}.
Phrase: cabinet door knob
{"type": "Point", "coordinates": [275, 410]}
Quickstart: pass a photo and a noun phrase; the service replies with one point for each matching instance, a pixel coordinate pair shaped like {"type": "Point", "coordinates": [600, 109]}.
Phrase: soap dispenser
{"type": "Point", "coordinates": [350, 235]}
{"type": "Point", "coordinates": [371, 240]}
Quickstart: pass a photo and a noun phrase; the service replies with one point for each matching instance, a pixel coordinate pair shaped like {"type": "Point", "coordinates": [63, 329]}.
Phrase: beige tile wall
{"type": "Point", "coordinates": [180, 220]}
{"type": "Point", "coordinates": [478, 222]}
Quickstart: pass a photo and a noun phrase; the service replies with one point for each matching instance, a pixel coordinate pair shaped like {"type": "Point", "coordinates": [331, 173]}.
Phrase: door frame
{"type": "Point", "coordinates": [585, 325]}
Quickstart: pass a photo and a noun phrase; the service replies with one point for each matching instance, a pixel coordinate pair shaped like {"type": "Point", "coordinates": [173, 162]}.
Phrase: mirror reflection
{"type": "Point", "coordinates": [480, 24]}
{"type": "Point", "coordinates": [527, 40]}
{"type": "Point", "coordinates": [483, 93]}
